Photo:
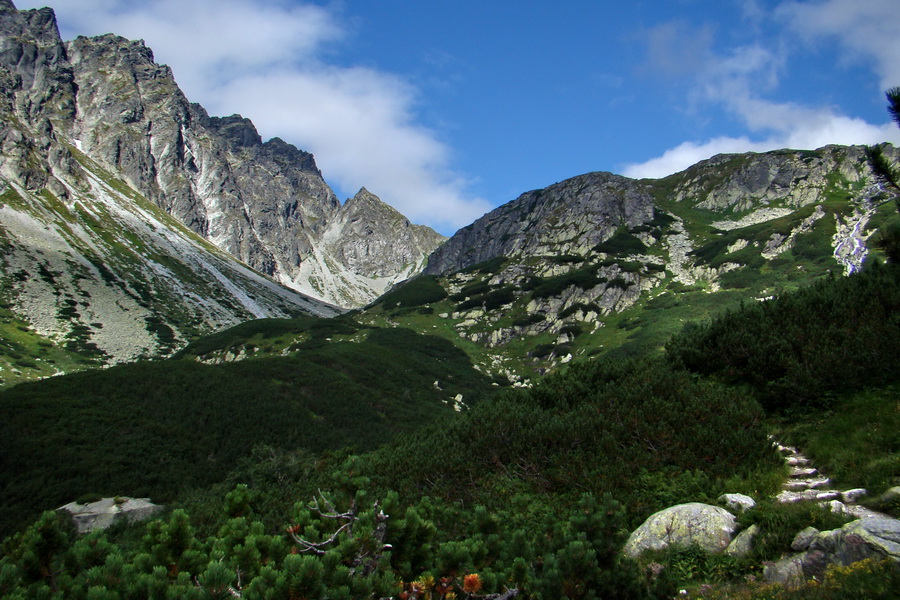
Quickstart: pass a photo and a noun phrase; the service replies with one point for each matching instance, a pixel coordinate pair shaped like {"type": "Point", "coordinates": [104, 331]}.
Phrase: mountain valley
{"type": "Point", "coordinates": [333, 402]}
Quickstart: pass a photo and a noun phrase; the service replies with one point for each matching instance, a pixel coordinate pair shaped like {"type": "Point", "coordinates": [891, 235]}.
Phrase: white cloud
{"type": "Point", "coordinates": [739, 82]}
{"type": "Point", "coordinates": [816, 132]}
{"type": "Point", "coordinates": [268, 60]}
{"type": "Point", "coordinates": [358, 123]}
{"type": "Point", "coordinates": [868, 29]}
{"type": "Point", "coordinates": [686, 154]}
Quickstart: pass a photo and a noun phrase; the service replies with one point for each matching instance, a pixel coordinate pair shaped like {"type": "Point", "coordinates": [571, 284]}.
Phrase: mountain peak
{"type": "Point", "coordinates": [265, 203]}
{"type": "Point", "coordinates": [366, 198]}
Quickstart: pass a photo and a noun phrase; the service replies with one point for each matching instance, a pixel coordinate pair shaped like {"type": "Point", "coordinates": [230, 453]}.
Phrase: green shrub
{"type": "Point", "coordinates": [487, 267]}
{"type": "Point", "coordinates": [622, 243]}
{"type": "Point", "coordinates": [477, 288]}
{"type": "Point", "coordinates": [565, 259]}
{"type": "Point", "coordinates": [857, 442]}
{"type": "Point", "coordinates": [584, 307]}
{"type": "Point", "coordinates": [156, 428]}
{"type": "Point", "coordinates": [593, 428]}
{"type": "Point", "coordinates": [661, 219]}
{"type": "Point", "coordinates": [584, 278]}
{"type": "Point", "coordinates": [490, 300]}
{"type": "Point", "coordinates": [834, 336]}
{"type": "Point", "coordinates": [779, 524]}
{"type": "Point", "coordinates": [420, 290]}
{"type": "Point", "coordinates": [531, 319]}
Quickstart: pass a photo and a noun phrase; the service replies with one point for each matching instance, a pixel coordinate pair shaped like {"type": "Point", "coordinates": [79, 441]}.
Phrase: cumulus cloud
{"type": "Point", "coordinates": [817, 131]}
{"type": "Point", "coordinates": [740, 80]}
{"type": "Point", "coordinates": [868, 30]}
{"type": "Point", "coordinates": [686, 154]}
{"type": "Point", "coordinates": [269, 60]}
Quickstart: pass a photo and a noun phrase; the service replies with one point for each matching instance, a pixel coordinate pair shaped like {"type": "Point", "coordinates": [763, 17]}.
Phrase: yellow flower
{"type": "Point", "coordinates": [426, 581]}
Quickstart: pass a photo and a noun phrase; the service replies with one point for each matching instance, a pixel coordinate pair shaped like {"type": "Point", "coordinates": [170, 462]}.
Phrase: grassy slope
{"type": "Point", "coordinates": [157, 428]}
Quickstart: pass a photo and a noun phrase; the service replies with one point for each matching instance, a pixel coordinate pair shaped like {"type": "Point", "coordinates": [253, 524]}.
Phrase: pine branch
{"type": "Point", "coordinates": [893, 97]}
{"type": "Point", "coordinates": [881, 166]}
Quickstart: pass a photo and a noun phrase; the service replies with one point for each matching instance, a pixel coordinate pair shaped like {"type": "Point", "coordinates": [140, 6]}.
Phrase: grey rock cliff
{"type": "Point", "coordinates": [265, 203]}
{"type": "Point", "coordinates": [87, 261]}
{"type": "Point", "coordinates": [738, 190]}
{"type": "Point", "coordinates": [565, 218]}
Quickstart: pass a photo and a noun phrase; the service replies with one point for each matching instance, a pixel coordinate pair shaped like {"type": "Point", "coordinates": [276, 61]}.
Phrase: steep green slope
{"type": "Point", "coordinates": [157, 428]}
{"type": "Point", "coordinates": [838, 335]}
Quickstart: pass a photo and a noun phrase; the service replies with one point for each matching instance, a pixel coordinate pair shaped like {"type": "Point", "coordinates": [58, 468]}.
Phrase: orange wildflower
{"type": "Point", "coordinates": [472, 583]}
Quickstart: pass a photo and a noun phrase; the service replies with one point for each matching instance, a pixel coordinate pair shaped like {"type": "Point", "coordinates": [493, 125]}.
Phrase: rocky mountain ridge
{"type": "Point", "coordinates": [265, 203]}
{"type": "Point", "coordinates": [92, 272]}
{"type": "Point", "coordinates": [571, 269]}
{"type": "Point", "coordinates": [736, 191]}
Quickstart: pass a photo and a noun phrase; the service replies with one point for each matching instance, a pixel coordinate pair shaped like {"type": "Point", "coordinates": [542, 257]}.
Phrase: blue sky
{"type": "Point", "coordinates": [448, 109]}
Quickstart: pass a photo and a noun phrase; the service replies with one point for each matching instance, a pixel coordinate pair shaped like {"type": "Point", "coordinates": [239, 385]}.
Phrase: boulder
{"type": "Point", "coordinates": [873, 537]}
{"type": "Point", "coordinates": [108, 511]}
{"type": "Point", "coordinates": [787, 571]}
{"type": "Point", "coordinates": [877, 537]}
{"type": "Point", "coordinates": [890, 495]}
{"type": "Point", "coordinates": [742, 545]}
{"type": "Point", "coordinates": [738, 502]}
{"type": "Point", "coordinates": [849, 496]}
{"type": "Point", "coordinates": [803, 539]}
{"type": "Point", "coordinates": [710, 527]}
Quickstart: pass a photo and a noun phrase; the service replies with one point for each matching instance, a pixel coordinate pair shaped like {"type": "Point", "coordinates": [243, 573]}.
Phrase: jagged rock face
{"type": "Point", "coordinates": [265, 203]}
{"type": "Point", "coordinates": [574, 215]}
{"type": "Point", "coordinates": [566, 218]}
{"type": "Point", "coordinates": [754, 181]}
{"type": "Point", "coordinates": [560, 264]}
{"type": "Point", "coordinates": [376, 247]}
{"type": "Point", "coordinates": [87, 262]}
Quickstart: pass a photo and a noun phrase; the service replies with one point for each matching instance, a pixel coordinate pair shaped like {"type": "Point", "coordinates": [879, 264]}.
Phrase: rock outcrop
{"type": "Point", "coordinates": [265, 203]}
{"type": "Point", "coordinates": [736, 190]}
{"type": "Point", "coordinates": [567, 259]}
{"type": "Point", "coordinates": [737, 502]}
{"type": "Point", "coordinates": [90, 133]}
{"type": "Point", "coordinates": [873, 537]}
{"type": "Point", "coordinates": [106, 512]}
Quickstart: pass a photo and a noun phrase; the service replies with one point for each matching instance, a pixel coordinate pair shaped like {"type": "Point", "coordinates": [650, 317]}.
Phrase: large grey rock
{"type": "Point", "coordinates": [877, 537]}
{"type": "Point", "coordinates": [107, 512]}
{"type": "Point", "coordinates": [890, 495]}
{"type": "Point", "coordinates": [859, 539]}
{"type": "Point", "coordinates": [853, 495]}
{"type": "Point", "coordinates": [788, 571]}
{"type": "Point", "coordinates": [738, 502]}
{"type": "Point", "coordinates": [710, 527]}
{"type": "Point", "coordinates": [571, 216]}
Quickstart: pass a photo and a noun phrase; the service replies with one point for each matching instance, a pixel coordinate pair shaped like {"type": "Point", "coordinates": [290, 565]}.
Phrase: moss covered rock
{"type": "Point", "coordinates": [710, 527]}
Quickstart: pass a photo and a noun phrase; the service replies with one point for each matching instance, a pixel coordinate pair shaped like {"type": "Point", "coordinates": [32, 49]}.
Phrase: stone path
{"type": "Point", "coordinates": [806, 483]}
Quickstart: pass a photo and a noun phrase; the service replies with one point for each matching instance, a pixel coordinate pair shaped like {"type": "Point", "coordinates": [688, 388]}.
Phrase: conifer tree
{"type": "Point", "coordinates": [878, 162]}
{"type": "Point", "coordinates": [888, 240]}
